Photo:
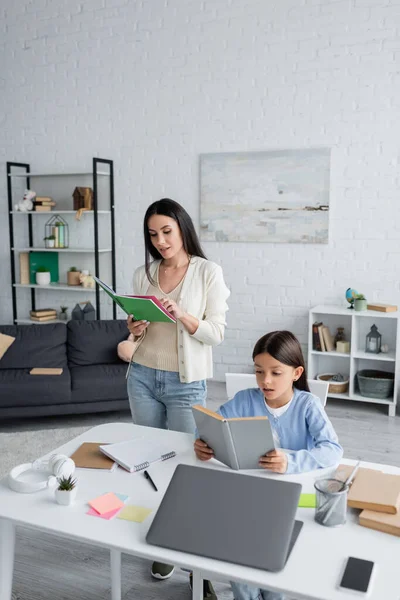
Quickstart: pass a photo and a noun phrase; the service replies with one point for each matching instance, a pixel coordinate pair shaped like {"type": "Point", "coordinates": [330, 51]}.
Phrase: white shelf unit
{"type": "Point", "coordinates": [53, 184]}
{"type": "Point", "coordinates": [357, 325]}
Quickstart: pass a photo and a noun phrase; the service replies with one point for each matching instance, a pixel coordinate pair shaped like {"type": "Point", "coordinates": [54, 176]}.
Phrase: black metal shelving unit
{"type": "Point", "coordinates": [96, 162]}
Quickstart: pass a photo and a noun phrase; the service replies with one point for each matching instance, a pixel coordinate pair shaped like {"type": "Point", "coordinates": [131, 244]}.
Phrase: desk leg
{"type": "Point", "coordinates": [7, 547]}
{"type": "Point", "coordinates": [115, 561]}
{"type": "Point", "coordinates": [197, 587]}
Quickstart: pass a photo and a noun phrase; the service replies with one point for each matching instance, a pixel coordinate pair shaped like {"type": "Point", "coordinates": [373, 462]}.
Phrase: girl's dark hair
{"type": "Point", "coordinates": [175, 211]}
{"type": "Point", "coordinates": [284, 347]}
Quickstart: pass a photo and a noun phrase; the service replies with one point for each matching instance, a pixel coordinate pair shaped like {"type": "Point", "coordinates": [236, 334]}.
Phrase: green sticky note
{"type": "Point", "coordinates": [307, 501]}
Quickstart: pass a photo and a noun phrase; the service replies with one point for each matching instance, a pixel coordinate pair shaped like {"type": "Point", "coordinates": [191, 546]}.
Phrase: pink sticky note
{"type": "Point", "coordinates": [107, 515]}
{"type": "Point", "coordinates": [106, 503]}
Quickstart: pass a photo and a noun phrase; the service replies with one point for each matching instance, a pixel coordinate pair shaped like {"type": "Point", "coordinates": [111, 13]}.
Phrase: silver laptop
{"type": "Point", "coordinates": [228, 516]}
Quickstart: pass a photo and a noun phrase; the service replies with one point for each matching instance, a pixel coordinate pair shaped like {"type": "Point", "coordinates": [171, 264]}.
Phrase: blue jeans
{"type": "Point", "coordinates": [242, 591]}
{"type": "Point", "coordinates": [158, 398]}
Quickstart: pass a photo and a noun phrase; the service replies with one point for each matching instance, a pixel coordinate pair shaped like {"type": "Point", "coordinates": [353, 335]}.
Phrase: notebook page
{"type": "Point", "coordinates": [136, 452]}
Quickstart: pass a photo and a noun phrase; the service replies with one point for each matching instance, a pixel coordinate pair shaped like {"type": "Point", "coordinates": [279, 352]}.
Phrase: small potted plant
{"type": "Point", "coordinates": [50, 241]}
{"type": "Point", "coordinates": [42, 276]}
{"type": "Point", "coordinates": [66, 490]}
{"type": "Point", "coordinates": [360, 302]}
{"type": "Point", "coordinates": [63, 316]}
{"type": "Point", "coordinates": [73, 276]}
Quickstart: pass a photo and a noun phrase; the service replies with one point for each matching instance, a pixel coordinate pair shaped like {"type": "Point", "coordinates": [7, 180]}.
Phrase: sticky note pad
{"type": "Point", "coordinates": [106, 503]}
{"type": "Point", "coordinates": [108, 515]}
{"type": "Point", "coordinates": [307, 501]}
{"type": "Point", "coordinates": [134, 513]}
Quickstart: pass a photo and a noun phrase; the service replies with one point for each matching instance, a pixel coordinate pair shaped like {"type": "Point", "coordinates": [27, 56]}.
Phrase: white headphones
{"type": "Point", "coordinates": [58, 465]}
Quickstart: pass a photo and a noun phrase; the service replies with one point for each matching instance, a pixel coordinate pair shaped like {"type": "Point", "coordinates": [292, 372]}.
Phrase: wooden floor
{"type": "Point", "coordinates": [49, 568]}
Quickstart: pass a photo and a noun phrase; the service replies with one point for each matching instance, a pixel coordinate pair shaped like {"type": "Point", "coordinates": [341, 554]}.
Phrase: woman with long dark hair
{"type": "Point", "coordinates": [172, 361]}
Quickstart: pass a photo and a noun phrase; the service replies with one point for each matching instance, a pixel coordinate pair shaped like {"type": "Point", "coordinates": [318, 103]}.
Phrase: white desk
{"type": "Point", "coordinates": [312, 571]}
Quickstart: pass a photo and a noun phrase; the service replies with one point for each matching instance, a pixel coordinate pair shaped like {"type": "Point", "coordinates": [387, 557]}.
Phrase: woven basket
{"type": "Point", "coordinates": [375, 384]}
{"type": "Point", "coordinates": [335, 387]}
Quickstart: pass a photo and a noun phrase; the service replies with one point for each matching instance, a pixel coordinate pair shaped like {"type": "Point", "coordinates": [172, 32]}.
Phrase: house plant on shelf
{"type": "Point", "coordinates": [360, 302]}
{"type": "Point", "coordinates": [73, 276]}
{"type": "Point", "coordinates": [66, 490]}
{"type": "Point", "coordinates": [63, 316]}
{"type": "Point", "coordinates": [42, 276]}
{"type": "Point", "coordinates": [50, 241]}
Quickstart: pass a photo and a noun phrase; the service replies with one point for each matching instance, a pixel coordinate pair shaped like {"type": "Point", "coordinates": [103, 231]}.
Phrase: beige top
{"type": "Point", "coordinates": [203, 295]}
{"type": "Point", "coordinates": [159, 349]}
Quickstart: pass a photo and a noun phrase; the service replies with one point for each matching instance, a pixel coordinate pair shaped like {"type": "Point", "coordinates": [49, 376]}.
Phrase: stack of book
{"type": "Point", "coordinates": [377, 494]}
{"type": "Point", "coordinates": [43, 314]}
{"type": "Point", "coordinates": [322, 338]}
{"type": "Point", "coordinates": [43, 204]}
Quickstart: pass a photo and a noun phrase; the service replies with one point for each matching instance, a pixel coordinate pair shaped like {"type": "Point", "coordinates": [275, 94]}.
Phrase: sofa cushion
{"type": "Point", "coordinates": [18, 388]}
{"type": "Point", "coordinates": [95, 342]}
{"type": "Point", "coordinates": [35, 346]}
{"type": "Point", "coordinates": [5, 343]}
{"type": "Point", "coordinates": [98, 382]}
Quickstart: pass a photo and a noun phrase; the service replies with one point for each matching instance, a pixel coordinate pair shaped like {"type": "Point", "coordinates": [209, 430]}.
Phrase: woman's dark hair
{"type": "Point", "coordinates": [175, 211]}
{"type": "Point", "coordinates": [284, 347]}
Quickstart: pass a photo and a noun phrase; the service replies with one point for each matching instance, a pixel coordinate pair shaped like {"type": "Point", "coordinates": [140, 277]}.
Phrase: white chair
{"type": "Point", "coordinates": [242, 381]}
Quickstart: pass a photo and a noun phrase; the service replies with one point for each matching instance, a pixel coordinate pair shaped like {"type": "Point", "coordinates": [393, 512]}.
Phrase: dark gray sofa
{"type": "Point", "coordinates": [93, 377]}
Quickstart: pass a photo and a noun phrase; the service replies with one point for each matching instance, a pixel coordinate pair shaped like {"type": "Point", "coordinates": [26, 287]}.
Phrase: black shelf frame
{"type": "Point", "coordinates": [95, 162]}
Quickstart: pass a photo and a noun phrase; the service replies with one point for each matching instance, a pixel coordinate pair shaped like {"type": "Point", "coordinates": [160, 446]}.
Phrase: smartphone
{"type": "Point", "coordinates": [357, 575]}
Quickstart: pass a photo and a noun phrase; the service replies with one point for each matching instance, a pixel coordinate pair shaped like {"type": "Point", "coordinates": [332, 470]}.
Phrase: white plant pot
{"type": "Point", "coordinates": [43, 278]}
{"type": "Point", "coordinates": [66, 498]}
{"type": "Point", "coordinates": [50, 243]}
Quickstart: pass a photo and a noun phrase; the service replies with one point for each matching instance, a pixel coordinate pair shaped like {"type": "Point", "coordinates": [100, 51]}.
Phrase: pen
{"type": "Point", "coordinates": [146, 474]}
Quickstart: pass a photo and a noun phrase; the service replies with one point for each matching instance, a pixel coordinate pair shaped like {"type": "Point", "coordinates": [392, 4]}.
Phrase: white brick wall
{"type": "Point", "coordinates": [153, 84]}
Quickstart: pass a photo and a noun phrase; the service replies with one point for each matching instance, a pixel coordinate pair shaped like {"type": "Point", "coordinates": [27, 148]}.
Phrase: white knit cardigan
{"type": "Point", "coordinates": [203, 295]}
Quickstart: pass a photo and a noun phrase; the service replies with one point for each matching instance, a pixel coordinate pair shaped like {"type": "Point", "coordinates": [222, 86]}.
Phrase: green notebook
{"type": "Point", "coordinates": [307, 501]}
{"type": "Point", "coordinates": [43, 259]}
{"type": "Point", "coordinates": [143, 308]}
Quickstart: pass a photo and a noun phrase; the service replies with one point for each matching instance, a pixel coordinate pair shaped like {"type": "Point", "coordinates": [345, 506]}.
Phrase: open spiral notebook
{"type": "Point", "coordinates": [137, 454]}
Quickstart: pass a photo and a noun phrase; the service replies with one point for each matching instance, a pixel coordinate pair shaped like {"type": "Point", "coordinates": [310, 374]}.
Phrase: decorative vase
{"type": "Point", "coordinates": [360, 304]}
{"type": "Point", "coordinates": [43, 278]}
{"type": "Point", "coordinates": [73, 278]}
{"type": "Point", "coordinates": [66, 498]}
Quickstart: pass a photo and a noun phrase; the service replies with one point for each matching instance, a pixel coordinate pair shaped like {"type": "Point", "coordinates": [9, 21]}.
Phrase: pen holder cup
{"type": "Point", "coordinates": [331, 502]}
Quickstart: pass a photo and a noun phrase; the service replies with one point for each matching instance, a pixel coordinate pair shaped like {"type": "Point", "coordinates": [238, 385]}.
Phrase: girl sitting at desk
{"type": "Point", "coordinates": [298, 420]}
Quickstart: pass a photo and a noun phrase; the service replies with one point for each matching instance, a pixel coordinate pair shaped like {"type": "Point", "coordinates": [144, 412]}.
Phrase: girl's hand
{"type": "Point", "coordinates": [275, 461]}
{"type": "Point", "coordinates": [136, 328]}
{"type": "Point", "coordinates": [172, 307]}
{"type": "Point", "coordinates": [202, 451]}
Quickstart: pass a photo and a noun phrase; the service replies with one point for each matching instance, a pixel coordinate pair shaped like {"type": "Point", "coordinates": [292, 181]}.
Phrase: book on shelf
{"type": "Point", "coordinates": [382, 307]}
{"type": "Point", "coordinates": [328, 339]}
{"type": "Point", "coordinates": [43, 259]}
{"type": "Point", "coordinates": [24, 268]}
{"type": "Point", "coordinates": [237, 442]}
{"type": "Point", "coordinates": [372, 489]}
{"type": "Point", "coordinates": [380, 521]}
{"type": "Point", "coordinates": [43, 319]}
{"type": "Point", "coordinates": [137, 454]}
{"type": "Point", "coordinates": [147, 308]}
{"type": "Point", "coordinates": [321, 337]}
{"type": "Point", "coordinates": [43, 312]}
{"type": "Point", "coordinates": [43, 199]}
{"type": "Point", "coordinates": [38, 208]}
{"type": "Point", "coordinates": [315, 336]}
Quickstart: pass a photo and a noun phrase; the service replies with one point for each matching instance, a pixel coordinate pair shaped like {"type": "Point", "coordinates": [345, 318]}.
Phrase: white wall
{"type": "Point", "coordinates": [152, 84]}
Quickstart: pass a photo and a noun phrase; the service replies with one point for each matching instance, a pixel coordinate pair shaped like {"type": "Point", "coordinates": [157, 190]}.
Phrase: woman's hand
{"type": "Point", "coordinates": [173, 308]}
{"type": "Point", "coordinates": [202, 451]}
{"type": "Point", "coordinates": [275, 460]}
{"type": "Point", "coordinates": [136, 328]}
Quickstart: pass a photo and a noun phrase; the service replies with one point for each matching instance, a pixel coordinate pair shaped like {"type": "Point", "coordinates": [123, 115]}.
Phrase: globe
{"type": "Point", "coordinates": [351, 295]}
